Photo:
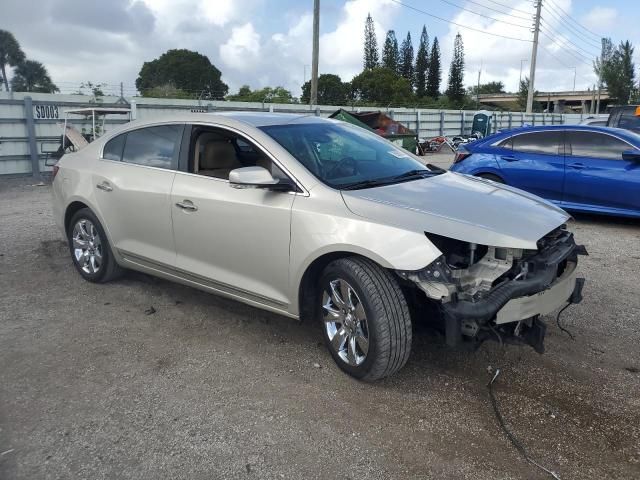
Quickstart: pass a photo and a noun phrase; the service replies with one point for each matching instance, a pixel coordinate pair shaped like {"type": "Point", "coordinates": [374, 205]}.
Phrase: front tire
{"type": "Point", "coordinates": [90, 249]}
{"type": "Point", "coordinates": [365, 318]}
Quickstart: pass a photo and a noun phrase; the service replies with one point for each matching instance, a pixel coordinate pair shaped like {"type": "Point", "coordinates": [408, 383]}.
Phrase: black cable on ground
{"type": "Point", "coordinates": [560, 326]}
{"type": "Point", "coordinates": [514, 441]}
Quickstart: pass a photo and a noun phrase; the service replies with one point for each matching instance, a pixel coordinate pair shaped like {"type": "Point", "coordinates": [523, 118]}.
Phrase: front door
{"type": "Point", "coordinates": [233, 240]}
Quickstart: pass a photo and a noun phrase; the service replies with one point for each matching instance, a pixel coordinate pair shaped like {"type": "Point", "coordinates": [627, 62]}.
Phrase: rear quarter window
{"type": "Point", "coordinates": [113, 148]}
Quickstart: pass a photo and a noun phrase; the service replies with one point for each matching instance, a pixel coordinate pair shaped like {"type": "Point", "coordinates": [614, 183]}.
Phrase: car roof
{"type": "Point", "coordinates": [620, 132]}
{"type": "Point", "coordinates": [263, 119]}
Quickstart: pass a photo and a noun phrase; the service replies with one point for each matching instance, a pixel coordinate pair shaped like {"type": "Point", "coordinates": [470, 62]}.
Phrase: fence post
{"type": "Point", "coordinates": [441, 123]}
{"type": "Point", "coordinates": [418, 124]}
{"type": "Point", "coordinates": [31, 132]}
{"type": "Point", "coordinates": [462, 121]}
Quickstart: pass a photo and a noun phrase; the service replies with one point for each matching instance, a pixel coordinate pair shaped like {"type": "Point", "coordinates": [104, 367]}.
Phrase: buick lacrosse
{"type": "Point", "coordinates": [317, 219]}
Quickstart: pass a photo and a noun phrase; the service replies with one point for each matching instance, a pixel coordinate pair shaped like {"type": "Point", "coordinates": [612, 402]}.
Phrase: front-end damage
{"type": "Point", "coordinates": [484, 292]}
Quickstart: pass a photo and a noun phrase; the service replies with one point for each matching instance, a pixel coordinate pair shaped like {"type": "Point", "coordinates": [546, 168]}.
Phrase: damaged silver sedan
{"type": "Point", "coordinates": [317, 219]}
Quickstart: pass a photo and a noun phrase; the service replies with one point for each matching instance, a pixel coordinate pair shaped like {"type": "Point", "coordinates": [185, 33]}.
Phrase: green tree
{"type": "Point", "coordinates": [390, 52]}
{"type": "Point", "coordinates": [266, 95]}
{"type": "Point", "coordinates": [370, 44]}
{"type": "Point", "coordinates": [94, 88]}
{"type": "Point", "coordinates": [490, 87]}
{"type": "Point", "coordinates": [455, 87]}
{"type": "Point", "coordinates": [523, 92]}
{"type": "Point", "coordinates": [406, 59]}
{"type": "Point", "coordinates": [618, 73]}
{"type": "Point", "coordinates": [606, 52]}
{"type": "Point", "coordinates": [185, 70]}
{"type": "Point", "coordinates": [166, 91]}
{"type": "Point", "coordinates": [422, 64]}
{"type": "Point", "coordinates": [10, 55]}
{"type": "Point", "coordinates": [381, 86]}
{"type": "Point", "coordinates": [434, 74]}
{"type": "Point", "coordinates": [32, 76]}
{"type": "Point", "coordinates": [331, 90]}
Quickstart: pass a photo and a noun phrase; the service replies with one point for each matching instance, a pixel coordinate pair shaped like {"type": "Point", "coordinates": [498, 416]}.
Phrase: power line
{"type": "Point", "coordinates": [577, 55]}
{"type": "Point", "coordinates": [486, 16]}
{"type": "Point", "coordinates": [498, 11]}
{"type": "Point", "coordinates": [577, 47]}
{"type": "Point", "coordinates": [458, 24]}
{"type": "Point", "coordinates": [574, 30]}
{"type": "Point", "coordinates": [510, 7]}
{"type": "Point", "coordinates": [574, 21]}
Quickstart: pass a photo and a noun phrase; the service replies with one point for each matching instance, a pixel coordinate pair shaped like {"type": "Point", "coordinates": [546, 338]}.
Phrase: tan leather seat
{"type": "Point", "coordinates": [218, 159]}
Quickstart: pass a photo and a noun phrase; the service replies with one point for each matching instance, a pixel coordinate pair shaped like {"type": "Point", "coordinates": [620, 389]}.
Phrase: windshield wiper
{"type": "Point", "coordinates": [364, 184]}
{"type": "Point", "coordinates": [416, 173]}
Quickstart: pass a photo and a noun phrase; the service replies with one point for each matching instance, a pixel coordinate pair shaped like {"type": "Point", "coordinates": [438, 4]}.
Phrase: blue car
{"type": "Point", "coordinates": [578, 167]}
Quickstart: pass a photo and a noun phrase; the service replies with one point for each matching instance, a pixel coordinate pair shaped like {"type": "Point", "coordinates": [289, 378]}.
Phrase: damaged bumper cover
{"type": "Point", "coordinates": [513, 306]}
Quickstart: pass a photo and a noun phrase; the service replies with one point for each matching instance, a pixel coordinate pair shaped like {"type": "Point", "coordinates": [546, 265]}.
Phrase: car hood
{"type": "Point", "coordinates": [461, 207]}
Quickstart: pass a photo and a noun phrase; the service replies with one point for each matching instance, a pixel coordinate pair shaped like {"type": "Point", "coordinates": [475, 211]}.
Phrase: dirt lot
{"type": "Point", "coordinates": [92, 387]}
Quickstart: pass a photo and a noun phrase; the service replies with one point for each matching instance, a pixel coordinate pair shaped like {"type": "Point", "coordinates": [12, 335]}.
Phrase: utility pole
{"type": "Point", "coordinates": [316, 47]}
{"type": "Point", "coordinates": [478, 87]}
{"type": "Point", "coordinates": [534, 53]}
{"type": "Point", "coordinates": [520, 78]}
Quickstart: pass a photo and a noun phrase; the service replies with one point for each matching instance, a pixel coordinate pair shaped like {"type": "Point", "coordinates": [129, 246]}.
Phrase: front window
{"type": "Point", "coordinates": [347, 157]}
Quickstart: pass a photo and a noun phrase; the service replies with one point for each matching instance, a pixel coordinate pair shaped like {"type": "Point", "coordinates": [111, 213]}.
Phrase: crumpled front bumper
{"type": "Point", "coordinates": [514, 306]}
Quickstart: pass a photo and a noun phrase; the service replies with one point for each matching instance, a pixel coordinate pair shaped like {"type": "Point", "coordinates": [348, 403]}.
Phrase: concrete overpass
{"type": "Point", "coordinates": [580, 101]}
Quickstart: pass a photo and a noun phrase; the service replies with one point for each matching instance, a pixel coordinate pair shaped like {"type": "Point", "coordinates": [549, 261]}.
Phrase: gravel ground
{"type": "Point", "coordinates": [92, 387]}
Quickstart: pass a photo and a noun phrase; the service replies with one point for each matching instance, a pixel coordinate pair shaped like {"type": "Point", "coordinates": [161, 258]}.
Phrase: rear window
{"type": "Point", "coordinates": [547, 143]}
{"type": "Point", "coordinates": [153, 146]}
{"type": "Point", "coordinates": [630, 121]}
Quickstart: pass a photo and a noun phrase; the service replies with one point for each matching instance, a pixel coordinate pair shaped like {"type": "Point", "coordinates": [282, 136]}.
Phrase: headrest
{"type": "Point", "coordinates": [218, 154]}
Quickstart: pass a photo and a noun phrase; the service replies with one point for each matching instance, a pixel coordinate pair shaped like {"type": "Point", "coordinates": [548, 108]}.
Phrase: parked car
{"type": "Point", "coordinates": [581, 168]}
{"type": "Point", "coordinates": [318, 219]}
{"type": "Point", "coordinates": [595, 121]}
{"type": "Point", "coordinates": [627, 117]}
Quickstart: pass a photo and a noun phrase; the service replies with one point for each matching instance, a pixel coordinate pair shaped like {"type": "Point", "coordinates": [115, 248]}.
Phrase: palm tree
{"type": "Point", "coordinates": [32, 76]}
{"type": "Point", "coordinates": [10, 54]}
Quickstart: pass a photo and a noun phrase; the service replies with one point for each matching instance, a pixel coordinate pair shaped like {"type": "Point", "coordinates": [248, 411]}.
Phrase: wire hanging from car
{"type": "Point", "coordinates": [560, 325]}
{"type": "Point", "coordinates": [514, 441]}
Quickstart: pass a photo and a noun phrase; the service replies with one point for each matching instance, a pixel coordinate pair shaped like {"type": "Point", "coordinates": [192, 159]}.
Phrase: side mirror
{"type": "Point", "coordinates": [631, 155]}
{"type": "Point", "coordinates": [257, 177]}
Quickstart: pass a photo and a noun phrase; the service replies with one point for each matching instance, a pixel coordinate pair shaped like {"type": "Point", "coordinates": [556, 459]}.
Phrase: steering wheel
{"type": "Point", "coordinates": [342, 163]}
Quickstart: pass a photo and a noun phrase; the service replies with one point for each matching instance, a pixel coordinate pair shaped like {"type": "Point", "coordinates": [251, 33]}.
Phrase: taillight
{"type": "Point", "coordinates": [54, 171]}
{"type": "Point", "coordinates": [461, 154]}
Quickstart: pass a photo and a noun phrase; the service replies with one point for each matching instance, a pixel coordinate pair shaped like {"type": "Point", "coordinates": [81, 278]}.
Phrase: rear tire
{"type": "Point", "coordinates": [90, 249]}
{"type": "Point", "coordinates": [491, 176]}
{"type": "Point", "coordinates": [365, 318]}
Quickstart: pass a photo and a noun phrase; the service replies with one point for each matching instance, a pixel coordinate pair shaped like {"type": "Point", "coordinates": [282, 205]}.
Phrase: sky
{"type": "Point", "coordinates": [268, 42]}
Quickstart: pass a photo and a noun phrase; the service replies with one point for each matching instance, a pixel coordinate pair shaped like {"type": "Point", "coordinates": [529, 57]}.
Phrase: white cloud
{"type": "Point", "coordinates": [242, 48]}
{"type": "Point", "coordinates": [501, 58]}
{"type": "Point", "coordinates": [600, 19]}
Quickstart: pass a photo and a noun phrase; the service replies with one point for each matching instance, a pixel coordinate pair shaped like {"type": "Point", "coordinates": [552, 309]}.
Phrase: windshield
{"type": "Point", "coordinates": [345, 156]}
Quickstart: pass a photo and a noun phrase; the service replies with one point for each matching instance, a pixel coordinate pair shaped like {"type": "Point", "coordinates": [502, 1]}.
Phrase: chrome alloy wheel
{"type": "Point", "coordinates": [87, 246]}
{"type": "Point", "coordinates": [345, 322]}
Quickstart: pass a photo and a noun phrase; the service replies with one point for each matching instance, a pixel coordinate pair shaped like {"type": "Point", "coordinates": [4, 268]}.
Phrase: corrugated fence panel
{"type": "Point", "coordinates": [49, 114]}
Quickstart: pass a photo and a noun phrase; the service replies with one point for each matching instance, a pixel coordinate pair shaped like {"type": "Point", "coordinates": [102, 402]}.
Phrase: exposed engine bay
{"type": "Point", "coordinates": [488, 292]}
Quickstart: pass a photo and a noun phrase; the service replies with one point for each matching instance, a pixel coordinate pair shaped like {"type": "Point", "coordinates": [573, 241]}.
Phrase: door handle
{"type": "Point", "coordinates": [577, 166]}
{"type": "Point", "coordinates": [105, 186]}
{"type": "Point", "coordinates": [187, 205]}
{"type": "Point", "coordinates": [508, 158]}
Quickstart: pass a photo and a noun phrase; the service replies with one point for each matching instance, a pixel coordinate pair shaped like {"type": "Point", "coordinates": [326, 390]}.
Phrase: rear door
{"type": "Point", "coordinates": [597, 177]}
{"type": "Point", "coordinates": [133, 184]}
{"type": "Point", "coordinates": [534, 162]}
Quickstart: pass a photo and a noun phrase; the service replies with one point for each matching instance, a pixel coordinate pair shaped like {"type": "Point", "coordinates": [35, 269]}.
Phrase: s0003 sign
{"type": "Point", "coordinates": [46, 112]}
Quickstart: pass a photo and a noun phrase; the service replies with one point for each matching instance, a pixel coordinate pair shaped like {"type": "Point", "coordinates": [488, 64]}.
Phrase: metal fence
{"type": "Point", "coordinates": [28, 122]}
